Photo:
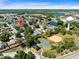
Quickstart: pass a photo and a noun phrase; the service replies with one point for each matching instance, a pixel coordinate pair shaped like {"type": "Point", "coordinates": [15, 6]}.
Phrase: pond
{"type": "Point", "coordinates": [54, 24]}
{"type": "Point", "coordinates": [58, 14]}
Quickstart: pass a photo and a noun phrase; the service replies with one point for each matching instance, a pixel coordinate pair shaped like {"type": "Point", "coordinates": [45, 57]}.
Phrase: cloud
{"type": "Point", "coordinates": [40, 5]}
{"type": "Point", "coordinates": [75, 7]}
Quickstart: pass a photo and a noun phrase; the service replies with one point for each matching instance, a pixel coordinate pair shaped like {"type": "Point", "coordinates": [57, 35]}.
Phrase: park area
{"type": "Point", "coordinates": [61, 45]}
{"type": "Point", "coordinates": [61, 40]}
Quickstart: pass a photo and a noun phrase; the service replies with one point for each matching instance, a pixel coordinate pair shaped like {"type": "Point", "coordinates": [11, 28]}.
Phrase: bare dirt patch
{"type": "Point", "coordinates": [55, 38]}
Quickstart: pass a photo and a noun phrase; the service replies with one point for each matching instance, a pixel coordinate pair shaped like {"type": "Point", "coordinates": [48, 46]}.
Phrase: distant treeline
{"type": "Point", "coordinates": [36, 11]}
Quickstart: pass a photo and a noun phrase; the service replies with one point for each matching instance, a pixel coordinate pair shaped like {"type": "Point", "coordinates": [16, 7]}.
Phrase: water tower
{"type": "Point", "coordinates": [69, 20]}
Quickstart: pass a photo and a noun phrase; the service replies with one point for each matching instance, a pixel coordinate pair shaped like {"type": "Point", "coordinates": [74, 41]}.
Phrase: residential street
{"type": "Point", "coordinates": [73, 56]}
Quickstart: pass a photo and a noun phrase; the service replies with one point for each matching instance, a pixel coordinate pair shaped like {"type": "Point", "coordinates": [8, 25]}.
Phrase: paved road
{"type": "Point", "coordinates": [74, 56]}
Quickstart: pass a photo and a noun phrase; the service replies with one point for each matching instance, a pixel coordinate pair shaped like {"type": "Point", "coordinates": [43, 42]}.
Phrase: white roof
{"type": "Point", "coordinates": [11, 42]}
{"type": "Point", "coordinates": [12, 37]}
{"type": "Point", "coordinates": [22, 34]}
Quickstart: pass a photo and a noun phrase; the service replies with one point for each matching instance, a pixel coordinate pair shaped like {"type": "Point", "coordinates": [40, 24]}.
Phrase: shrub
{"type": "Point", "coordinates": [49, 54]}
{"type": "Point", "coordinates": [69, 43]}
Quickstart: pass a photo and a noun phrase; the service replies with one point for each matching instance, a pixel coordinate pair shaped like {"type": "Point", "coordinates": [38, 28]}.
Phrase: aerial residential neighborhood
{"type": "Point", "coordinates": [38, 36]}
{"type": "Point", "coordinates": [39, 29]}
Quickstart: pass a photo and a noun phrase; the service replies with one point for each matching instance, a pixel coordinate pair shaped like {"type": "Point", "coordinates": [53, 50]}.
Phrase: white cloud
{"type": "Point", "coordinates": [75, 7]}
{"type": "Point", "coordinates": [35, 6]}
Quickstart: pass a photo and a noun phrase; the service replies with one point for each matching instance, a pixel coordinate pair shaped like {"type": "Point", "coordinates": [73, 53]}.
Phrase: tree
{"type": "Point", "coordinates": [60, 47]}
{"type": "Point", "coordinates": [6, 57]}
{"type": "Point", "coordinates": [4, 37]}
{"type": "Point", "coordinates": [35, 39]}
{"type": "Point", "coordinates": [29, 42]}
{"type": "Point", "coordinates": [1, 16]}
{"type": "Point", "coordinates": [30, 55]}
{"type": "Point", "coordinates": [69, 43]}
{"type": "Point", "coordinates": [25, 25]}
{"type": "Point", "coordinates": [28, 37]}
{"type": "Point", "coordinates": [50, 33]}
{"type": "Point", "coordinates": [76, 24]}
{"type": "Point", "coordinates": [56, 30]}
{"type": "Point", "coordinates": [23, 55]}
{"type": "Point", "coordinates": [18, 35]}
{"type": "Point", "coordinates": [21, 30]}
{"type": "Point", "coordinates": [28, 30]}
{"type": "Point", "coordinates": [49, 19]}
{"type": "Point", "coordinates": [60, 29]}
{"type": "Point", "coordinates": [49, 54]}
{"type": "Point", "coordinates": [20, 12]}
{"type": "Point", "coordinates": [17, 27]}
{"type": "Point", "coordinates": [20, 55]}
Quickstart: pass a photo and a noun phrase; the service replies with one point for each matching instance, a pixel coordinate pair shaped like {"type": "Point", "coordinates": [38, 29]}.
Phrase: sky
{"type": "Point", "coordinates": [39, 4]}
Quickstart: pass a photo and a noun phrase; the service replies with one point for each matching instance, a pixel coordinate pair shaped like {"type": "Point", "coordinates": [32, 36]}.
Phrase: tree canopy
{"type": "Point", "coordinates": [6, 57]}
{"type": "Point", "coordinates": [23, 55]}
{"type": "Point", "coordinates": [4, 37]}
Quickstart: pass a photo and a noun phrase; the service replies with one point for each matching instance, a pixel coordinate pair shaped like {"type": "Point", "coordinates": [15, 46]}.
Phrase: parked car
{"type": "Point", "coordinates": [36, 47]}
